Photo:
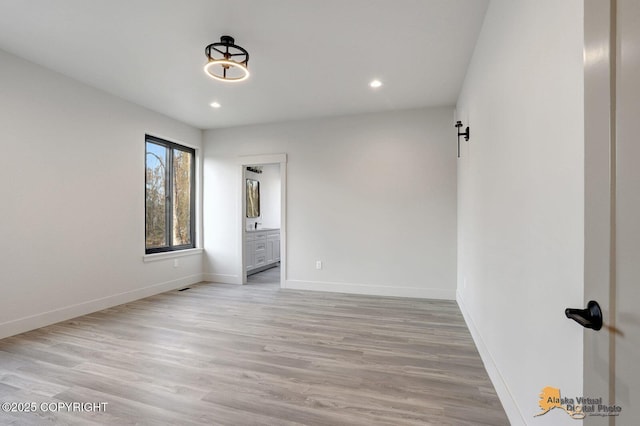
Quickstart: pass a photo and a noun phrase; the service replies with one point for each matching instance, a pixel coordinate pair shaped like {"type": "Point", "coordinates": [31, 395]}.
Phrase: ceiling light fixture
{"type": "Point", "coordinates": [226, 60]}
{"type": "Point", "coordinates": [375, 84]}
{"type": "Point", "coordinates": [215, 105]}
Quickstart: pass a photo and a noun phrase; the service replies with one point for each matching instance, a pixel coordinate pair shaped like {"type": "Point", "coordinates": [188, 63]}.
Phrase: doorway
{"type": "Point", "coordinates": [263, 219]}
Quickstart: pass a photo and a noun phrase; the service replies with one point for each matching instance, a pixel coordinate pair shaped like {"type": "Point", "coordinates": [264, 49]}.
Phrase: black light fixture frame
{"type": "Point", "coordinates": [225, 47]}
{"type": "Point", "coordinates": [466, 134]}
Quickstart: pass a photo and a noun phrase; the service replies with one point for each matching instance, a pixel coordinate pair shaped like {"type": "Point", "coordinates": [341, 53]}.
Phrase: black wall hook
{"type": "Point", "coordinates": [588, 318]}
{"type": "Point", "coordinates": [466, 134]}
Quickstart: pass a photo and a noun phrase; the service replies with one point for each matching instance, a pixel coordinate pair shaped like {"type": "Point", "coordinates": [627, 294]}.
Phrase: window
{"type": "Point", "coordinates": [170, 196]}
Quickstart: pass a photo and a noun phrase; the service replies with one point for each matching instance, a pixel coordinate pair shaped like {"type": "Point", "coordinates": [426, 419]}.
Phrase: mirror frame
{"type": "Point", "coordinates": [253, 199]}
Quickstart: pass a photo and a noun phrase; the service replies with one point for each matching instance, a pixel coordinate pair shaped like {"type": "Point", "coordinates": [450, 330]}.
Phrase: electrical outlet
{"type": "Point", "coordinates": [318, 264]}
{"type": "Point", "coordinates": [176, 263]}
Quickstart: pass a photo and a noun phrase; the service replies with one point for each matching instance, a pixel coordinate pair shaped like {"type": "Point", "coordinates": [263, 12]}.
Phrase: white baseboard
{"type": "Point", "coordinates": [506, 397]}
{"type": "Point", "coordinates": [374, 290]}
{"type": "Point", "coordinates": [21, 325]}
{"type": "Point", "coordinates": [222, 278]}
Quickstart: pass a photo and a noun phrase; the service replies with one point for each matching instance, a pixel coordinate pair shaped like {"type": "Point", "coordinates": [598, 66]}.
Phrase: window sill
{"type": "Point", "coordinates": [171, 255]}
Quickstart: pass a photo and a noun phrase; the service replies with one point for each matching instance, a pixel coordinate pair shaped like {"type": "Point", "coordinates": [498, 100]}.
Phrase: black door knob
{"type": "Point", "coordinates": [591, 317]}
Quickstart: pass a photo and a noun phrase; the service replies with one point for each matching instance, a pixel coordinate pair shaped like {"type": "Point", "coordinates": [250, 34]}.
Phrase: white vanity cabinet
{"type": "Point", "coordinates": [261, 249]}
{"type": "Point", "coordinates": [273, 246]}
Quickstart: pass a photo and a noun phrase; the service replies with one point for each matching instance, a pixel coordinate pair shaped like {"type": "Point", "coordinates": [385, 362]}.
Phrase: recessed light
{"type": "Point", "coordinates": [375, 84]}
{"type": "Point", "coordinates": [215, 105]}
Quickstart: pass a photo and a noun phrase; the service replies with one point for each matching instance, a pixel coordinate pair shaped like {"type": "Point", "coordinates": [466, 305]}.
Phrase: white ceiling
{"type": "Point", "coordinates": [308, 58]}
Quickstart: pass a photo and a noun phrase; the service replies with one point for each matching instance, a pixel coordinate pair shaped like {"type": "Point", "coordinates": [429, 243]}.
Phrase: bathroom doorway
{"type": "Point", "coordinates": [263, 221]}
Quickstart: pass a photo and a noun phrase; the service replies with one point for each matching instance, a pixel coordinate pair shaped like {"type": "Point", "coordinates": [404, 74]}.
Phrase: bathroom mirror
{"type": "Point", "coordinates": [253, 198]}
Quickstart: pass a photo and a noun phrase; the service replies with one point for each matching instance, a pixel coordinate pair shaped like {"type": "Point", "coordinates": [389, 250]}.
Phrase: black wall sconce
{"type": "Point", "coordinates": [465, 134]}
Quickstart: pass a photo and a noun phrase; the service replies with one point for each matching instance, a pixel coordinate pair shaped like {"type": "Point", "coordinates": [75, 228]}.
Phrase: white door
{"type": "Point", "coordinates": [612, 208]}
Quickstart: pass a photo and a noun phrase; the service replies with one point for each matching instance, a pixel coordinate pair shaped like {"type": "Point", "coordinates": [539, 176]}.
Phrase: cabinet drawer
{"type": "Point", "coordinates": [260, 246]}
{"type": "Point", "coordinates": [260, 236]}
{"type": "Point", "coordinates": [260, 260]}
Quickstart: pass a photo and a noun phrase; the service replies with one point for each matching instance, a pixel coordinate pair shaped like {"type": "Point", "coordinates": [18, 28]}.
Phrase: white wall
{"type": "Point", "coordinates": [372, 196]}
{"type": "Point", "coordinates": [520, 201]}
{"type": "Point", "coordinates": [269, 197]}
{"type": "Point", "coordinates": [72, 209]}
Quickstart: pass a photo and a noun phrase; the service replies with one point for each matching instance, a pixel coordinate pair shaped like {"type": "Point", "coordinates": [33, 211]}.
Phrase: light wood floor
{"type": "Point", "coordinates": [254, 355]}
